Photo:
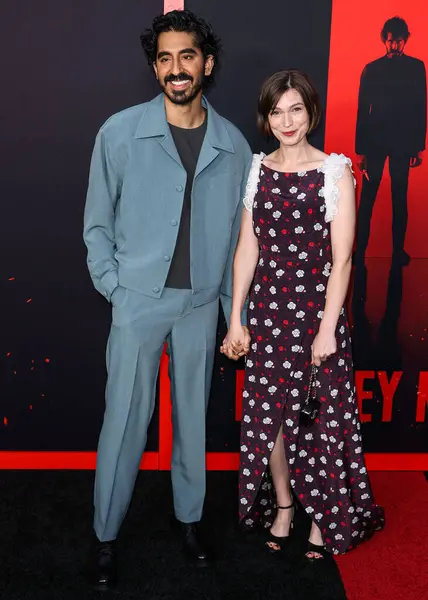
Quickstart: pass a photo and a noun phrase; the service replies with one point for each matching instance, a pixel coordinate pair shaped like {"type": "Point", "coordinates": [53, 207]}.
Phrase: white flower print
{"type": "Point", "coordinates": [300, 288]}
{"type": "Point", "coordinates": [298, 229]}
{"type": "Point", "coordinates": [286, 364]}
{"type": "Point", "coordinates": [296, 214]}
{"type": "Point", "coordinates": [274, 248]}
{"type": "Point", "coordinates": [246, 472]}
{"type": "Point", "coordinates": [317, 226]}
{"type": "Point", "coordinates": [250, 486]}
{"type": "Point", "coordinates": [309, 478]}
{"type": "Point", "coordinates": [273, 305]}
{"type": "Point", "coordinates": [269, 349]}
{"type": "Point", "coordinates": [321, 193]}
{"type": "Point", "coordinates": [268, 364]}
{"type": "Point", "coordinates": [265, 406]}
{"type": "Point", "coordinates": [272, 289]}
{"type": "Point", "coordinates": [263, 380]}
{"type": "Point", "coordinates": [279, 273]}
{"type": "Point", "coordinates": [300, 314]}
{"type": "Point", "coordinates": [276, 332]}
{"type": "Point", "coordinates": [291, 305]}
{"type": "Point", "coordinates": [298, 375]}
{"type": "Point", "coordinates": [300, 273]}
{"type": "Point", "coordinates": [253, 321]}
{"type": "Point", "coordinates": [272, 232]}
{"type": "Point", "coordinates": [320, 287]}
{"type": "Point", "coordinates": [301, 196]}
{"type": "Point", "coordinates": [294, 392]}
{"type": "Point", "coordinates": [293, 190]}
{"type": "Point", "coordinates": [276, 191]}
{"type": "Point", "coordinates": [315, 493]}
{"type": "Point", "coordinates": [250, 433]}
{"type": "Point", "coordinates": [247, 419]}
{"type": "Point", "coordinates": [268, 205]}
{"type": "Point", "coordinates": [296, 332]}
{"type": "Point", "coordinates": [268, 322]}
{"type": "Point", "coordinates": [296, 406]}
{"type": "Point", "coordinates": [267, 421]}
{"type": "Point", "coordinates": [249, 363]}
{"type": "Point", "coordinates": [272, 389]}
{"type": "Point", "coordinates": [303, 255]}
{"type": "Point", "coordinates": [275, 175]}
{"type": "Point", "coordinates": [292, 248]}
{"type": "Point", "coordinates": [276, 214]}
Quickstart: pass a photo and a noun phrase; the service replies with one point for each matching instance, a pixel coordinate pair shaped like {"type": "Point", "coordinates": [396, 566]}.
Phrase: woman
{"type": "Point", "coordinates": [295, 249]}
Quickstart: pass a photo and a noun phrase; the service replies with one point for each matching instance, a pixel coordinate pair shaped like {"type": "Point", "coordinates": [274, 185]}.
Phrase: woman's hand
{"type": "Point", "coordinates": [237, 342]}
{"type": "Point", "coordinates": [323, 346]}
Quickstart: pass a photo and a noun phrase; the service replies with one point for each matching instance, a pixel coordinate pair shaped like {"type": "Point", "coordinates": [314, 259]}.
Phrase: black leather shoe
{"type": "Point", "coordinates": [193, 545]}
{"type": "Point", "coordinates": [103, 566]}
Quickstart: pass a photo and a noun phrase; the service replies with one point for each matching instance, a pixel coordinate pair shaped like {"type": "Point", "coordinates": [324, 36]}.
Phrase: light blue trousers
{"type": "Point", "coordinates": [139, 329]}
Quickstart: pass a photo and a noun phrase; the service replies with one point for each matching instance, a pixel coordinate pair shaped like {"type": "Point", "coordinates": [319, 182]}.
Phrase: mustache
{"type": "Point", "coordinates": [179, 77]}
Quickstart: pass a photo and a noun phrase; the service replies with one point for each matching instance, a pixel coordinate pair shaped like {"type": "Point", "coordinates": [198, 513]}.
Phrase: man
{"type": "Point", "coordinates": [391, 123]}
{"type": "Point", "coordinates": [161, 225]}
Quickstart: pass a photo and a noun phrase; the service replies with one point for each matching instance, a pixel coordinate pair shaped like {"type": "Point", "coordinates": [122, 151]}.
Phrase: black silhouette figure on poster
{"type": "Point", "coordinates": [391, 124]}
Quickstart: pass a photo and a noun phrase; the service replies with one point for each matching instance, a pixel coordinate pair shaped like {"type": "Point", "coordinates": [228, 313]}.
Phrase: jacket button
{"type": "Point", "coordinates": [156, 289]}
{"type": "Point", "coordinates": [174, 223]}
{"type": "Point", "coordinates": [167, 258]}
{"type": "Point", "coordinates": [179, 188]}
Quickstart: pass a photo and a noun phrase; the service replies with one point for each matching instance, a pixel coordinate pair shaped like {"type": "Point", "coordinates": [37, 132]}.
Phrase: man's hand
{"type": "Point", "coordinates": [416, 161]}
{"type": "Point", "coordinates": [236, 343]}
{"type": "Point", "coordinates": [362, 165]}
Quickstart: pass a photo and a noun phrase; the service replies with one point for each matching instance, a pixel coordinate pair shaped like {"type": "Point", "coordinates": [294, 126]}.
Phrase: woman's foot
{"type": "Point", "coordinates": [280, 530]}
{"type": "Point", "coordinates": [315, 545]}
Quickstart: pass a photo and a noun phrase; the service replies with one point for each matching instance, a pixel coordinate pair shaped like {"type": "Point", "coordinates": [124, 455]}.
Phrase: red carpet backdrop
{"type": "Point", "coordinates": [70, 66]}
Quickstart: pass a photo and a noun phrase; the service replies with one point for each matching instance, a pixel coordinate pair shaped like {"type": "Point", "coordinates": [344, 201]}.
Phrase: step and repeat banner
{"type": "Point", "coordinates": [67, 67]}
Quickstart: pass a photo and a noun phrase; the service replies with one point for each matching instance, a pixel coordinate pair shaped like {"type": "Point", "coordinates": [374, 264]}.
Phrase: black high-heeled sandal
{"type": "Point", "coordinates": [314, 549]}
{"type": "Point", "coordinates": [279, 541]}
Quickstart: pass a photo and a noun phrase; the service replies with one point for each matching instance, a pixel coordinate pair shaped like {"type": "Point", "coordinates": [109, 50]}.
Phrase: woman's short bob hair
{"type": "Point", "coordinates": [274, 87]}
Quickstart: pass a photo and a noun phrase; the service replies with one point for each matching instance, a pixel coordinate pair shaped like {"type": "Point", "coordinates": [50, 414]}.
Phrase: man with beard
{"type": "Point", "coordinates": [161, 224]}
{"type": "Point", "coordinates": [391, 123]}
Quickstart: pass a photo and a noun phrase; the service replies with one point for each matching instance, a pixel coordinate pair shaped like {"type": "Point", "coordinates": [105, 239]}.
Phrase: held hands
{"type": "Point", "coordinates": [324, 345]}
{"type": "Point", "coordinates": [237, 342]}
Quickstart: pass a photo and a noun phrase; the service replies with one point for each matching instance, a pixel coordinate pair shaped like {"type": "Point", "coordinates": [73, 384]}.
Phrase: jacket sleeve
{"type": "Point", "coordinates": [420, 117]}
{"type": "Point", "coordinates": [227, 283]}
{"type": "Point", "coordinates": [363, 115]}
{"type": "Point", "coordinates": [98, 231]}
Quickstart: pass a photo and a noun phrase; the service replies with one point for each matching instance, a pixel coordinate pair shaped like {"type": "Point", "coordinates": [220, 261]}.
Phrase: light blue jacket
{"type": "Point", "coordinates": [135, 197]}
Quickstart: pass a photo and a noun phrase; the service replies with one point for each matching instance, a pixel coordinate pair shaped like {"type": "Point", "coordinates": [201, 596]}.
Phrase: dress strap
{"type": "Point", "coordinates": [333, 169]}
{"type": "Point", "coordinates": [253, 181]}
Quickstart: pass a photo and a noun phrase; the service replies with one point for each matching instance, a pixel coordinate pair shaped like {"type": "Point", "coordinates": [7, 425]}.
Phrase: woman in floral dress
{"type": "Point", "coordinates": [294, 256]}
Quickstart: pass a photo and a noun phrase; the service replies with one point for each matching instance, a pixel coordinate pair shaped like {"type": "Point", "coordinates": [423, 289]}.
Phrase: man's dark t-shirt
{"type": "Point", "coordinates": [188, 143]}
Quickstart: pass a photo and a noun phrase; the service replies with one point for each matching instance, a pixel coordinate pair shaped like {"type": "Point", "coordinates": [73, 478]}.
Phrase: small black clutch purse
{"type": "Point", "coordinates": [309, 410]}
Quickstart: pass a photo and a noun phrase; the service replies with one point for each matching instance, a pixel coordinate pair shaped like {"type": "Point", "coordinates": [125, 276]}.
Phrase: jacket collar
{"type": "Point", "coordinates": [153, 123]}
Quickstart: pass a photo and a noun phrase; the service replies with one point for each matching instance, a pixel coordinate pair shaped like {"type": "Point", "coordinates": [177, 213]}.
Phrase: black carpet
{"type": "Point", "coordinates": [45, 521]}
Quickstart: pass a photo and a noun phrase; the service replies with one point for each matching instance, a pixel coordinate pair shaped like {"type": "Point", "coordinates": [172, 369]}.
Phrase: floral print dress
{"type": "Point", "coordinates": [291, 218]}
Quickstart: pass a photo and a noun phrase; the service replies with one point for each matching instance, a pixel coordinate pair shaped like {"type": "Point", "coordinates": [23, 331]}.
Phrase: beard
{"type": "Point", "coordinates": [182, 97]}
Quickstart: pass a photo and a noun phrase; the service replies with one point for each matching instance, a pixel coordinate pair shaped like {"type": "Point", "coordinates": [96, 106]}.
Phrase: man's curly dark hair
{"type": "Point", "coordinates": [186, 21]}
{"type": "Point", "coordinates": [397, 27]}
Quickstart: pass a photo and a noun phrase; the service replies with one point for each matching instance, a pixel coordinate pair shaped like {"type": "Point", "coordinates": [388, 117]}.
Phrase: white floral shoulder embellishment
{"type": "Point", "coordinates": [253, 181]}
{"type": "Point", "coordinates": [333, 169]}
